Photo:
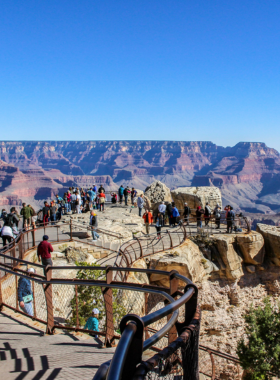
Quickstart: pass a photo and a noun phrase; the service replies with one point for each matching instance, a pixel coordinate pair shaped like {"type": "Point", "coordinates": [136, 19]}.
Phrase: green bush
{"type": "Point", "coordinates": [260, 354]}
{"type": "Point", "coordinates": [87, 294]}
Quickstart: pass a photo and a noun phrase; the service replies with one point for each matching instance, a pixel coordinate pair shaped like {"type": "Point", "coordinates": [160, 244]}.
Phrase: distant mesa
{"type": "Point", "coordinates": [248, 174]}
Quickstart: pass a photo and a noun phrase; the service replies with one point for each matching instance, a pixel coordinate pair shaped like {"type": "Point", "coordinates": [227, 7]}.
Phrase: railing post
{"type": "Point", "coordinates": [34, 298]}
{"type": "Point", "coordinates": [49, 301]}
{"type": "Point", "coordinates": [108, 300]}
{"type": "Point", "coordinates": [174, 282]}
{"type": "Point", "coordinates": [33, 236]}
{"type": "Point", "coordinates": [146, 312]}
{"type": "Point", "coordinates": [16, 292]}
{"type": "Point", "coordinates": [1, 297]}
{"type": "Point", "coordinates": [77, 307]}
{"type": "Point", "coordinates": [71, 237]}
{"type": "Point", "coordinates": [13, 252]}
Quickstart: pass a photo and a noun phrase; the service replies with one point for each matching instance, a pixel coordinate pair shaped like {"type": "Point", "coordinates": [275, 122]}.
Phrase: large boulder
{"type": "Point", "coordinates": [252, 247]}
{"type": "Point", "coordinates": [197, 196]}
{"type": "Point", "coordinates": [158, 192]}
{"type": "Point", "coordinates": [186, 259]}
{"type": "Point", "coordinates": [271, 235]}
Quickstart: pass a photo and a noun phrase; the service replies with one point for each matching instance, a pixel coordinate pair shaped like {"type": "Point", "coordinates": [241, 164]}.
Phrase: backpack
{"type": "Point", "coordinates": [9, 220]}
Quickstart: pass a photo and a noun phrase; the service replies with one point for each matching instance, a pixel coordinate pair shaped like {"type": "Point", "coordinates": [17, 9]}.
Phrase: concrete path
{"type": "Point", "coordinates": [26, 353]}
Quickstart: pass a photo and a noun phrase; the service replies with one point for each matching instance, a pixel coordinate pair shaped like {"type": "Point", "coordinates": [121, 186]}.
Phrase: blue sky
{"type": "Point", "coordinates": [140, 70]}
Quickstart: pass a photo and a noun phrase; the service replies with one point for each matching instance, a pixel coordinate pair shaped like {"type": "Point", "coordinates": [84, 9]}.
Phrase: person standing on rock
{"type": "Point", "coordinates": [101, 199]}
{"type": "Point", "coordinates": [94, 224]}
{"type": "Point", "coordinates": [187, 212]}
{"type": "Point", "coordinates": [230, 219]}
{"type": "Point", "coordinates": [148, 220]}
{"type": "Point", "coordinates": [217, 213]}
{"type": "Point", "coordinates": [46, 213]}
{"type": "Point", "coordinates": [169, 211]}
{"type": "Point", "coordinates": [24, 293]}
{"type": "Point", "coordinates": [44, 251]}
{"type": "Point", "coordinates": [121, 191]}
{"type": "Point", "coordinates": [159, 224]}
{"type": "Point", "coordinates": [26, 212]}
{"type": "Point", "coordinates": [126, 192]}
{"type": "Point", "coordinates": [53, 210]}
{"type": "Point", "coordinates": [140, 204]}
{"type": "Point", "coordinates": [199, 212]}
{"type": "Point", "coordinates": [175, 215]}
{"type": "Point", "coordinates": [162, 209]}
{"type": "Point", "coordinates": [133, 196]}
{"type": "Point", "coordinates": [207, 214]}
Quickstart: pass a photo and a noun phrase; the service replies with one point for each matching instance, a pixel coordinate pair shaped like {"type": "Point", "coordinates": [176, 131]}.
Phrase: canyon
{"type": "Point", "coordinates": [248, 173]}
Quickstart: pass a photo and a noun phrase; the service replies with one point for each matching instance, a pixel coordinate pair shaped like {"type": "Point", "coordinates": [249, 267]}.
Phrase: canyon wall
{"type": "Point", "coordinates": [248, 174]}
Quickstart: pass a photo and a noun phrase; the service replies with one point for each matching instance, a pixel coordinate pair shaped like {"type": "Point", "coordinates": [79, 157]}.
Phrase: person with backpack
{"type": "Point", "coordinates": [217, 213]}
{"type": "Point", "coordinates": [24, 293]}
{"type": "Point", "coordinates": [186, 214]}
{"type": "Point", "coordinates": [26, 212]}
{"type": "Point", "coordinates": [121, 191]}
{"type": "Point", "coordinates": [230, 219]}
{"type": "Point", "coordinates": [44, 251]}
{"type": "Point", "coordinates": [101, 189]}
{"type": "Point", "coordinates": [11, 219]}
{"type": "Point", "coordinates": [175, 215]}
{"type": "Point", "coordinates": [207, 214]}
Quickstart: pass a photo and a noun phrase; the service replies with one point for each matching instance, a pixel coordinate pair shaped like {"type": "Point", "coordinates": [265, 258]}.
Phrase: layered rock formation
{"type": "Point", "coordinates": [248, 173]}
{"type": "Point", "coordinates": [197, 196]}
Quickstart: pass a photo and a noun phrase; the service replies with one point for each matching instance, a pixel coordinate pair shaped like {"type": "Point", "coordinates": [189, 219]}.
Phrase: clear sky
{"type": "Point", "coordinates": [140, 70]}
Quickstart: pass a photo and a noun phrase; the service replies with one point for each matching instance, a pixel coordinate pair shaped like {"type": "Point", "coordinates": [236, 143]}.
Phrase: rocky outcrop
{"type": "Point", "coordinates": [197, 196]}
{"type": "Point", "coordinates": [186, 259]}
{"type": "Point", "coordinates": [271, 235]}
{"type": "Point", "coordinates": [158, 192]}
{"type": "Point", "coordinates": [252, 247]}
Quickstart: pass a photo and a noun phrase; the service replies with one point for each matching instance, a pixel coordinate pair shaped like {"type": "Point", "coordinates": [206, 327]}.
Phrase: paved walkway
{"type": "Point", "coordinates": [26, 353]}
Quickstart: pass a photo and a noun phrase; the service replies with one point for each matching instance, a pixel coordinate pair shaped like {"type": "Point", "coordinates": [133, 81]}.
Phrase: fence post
{"type": "Point", "coordinates": [1, 297]}
{"type": "Point", "coordinates": [33, 236]}
{"type": "Point", "coordinates": [108, 300]}
{"type": "Point", "coordinates": [13, 252]}
{"type": "Point", "coordinates": [146, 312]}
{"type": "Point", "coordinates": [49, 301]}
{"type": "Point", "coordinates": [71, 237]}
{"type": "Point", "coordinates": [174, 282]}
{"type": "Point", "coordinates": [77, 307]}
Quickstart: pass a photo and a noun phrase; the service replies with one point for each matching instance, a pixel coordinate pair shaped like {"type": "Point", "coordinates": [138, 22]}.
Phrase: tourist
{"type": "Point", "coordinates": [199, 212]}
{"type": "Point", "coordinates": [3, 214]}
{"type": "Point", "coordinates": [86, 207]}
{"type": "Point", "coordinates": [230, 219]}
{"type": "Point", "coordinates": [162, 209]}
{"type": "Point", "coordinates": [94, 224]}
{"type": "Point", "coordinates": [92, 195]}
{"type": "Point", "coordinates": [59, 210]}
{"type": "Point", "coordinates": [33, 217]}
{"type": "Point", "coordinates": [186, 214]}
{"type": "Point", "coordinates": [121, 191]}
{"type": "Point", "coordinates": [58, 198]}
{"type": "Point", "coordinates": [133, 196]}
{"type": "Point", "coordinates": [73, 202]}
{"type": "Point", "coordinates": [26, 212]}
{"type": "Point", "coordinates": [169, 211]}
{"type": "Point", "coordinates": [92, 322]}
{"type": "Point", "coordinates": [78, 202]}
{"type": "Point", "coordinates": [175, 215]}
{"type": "Point", "coordinates": [140, 204]}
{"type": "Point", "coordinates": [217, 213]}
{"type": "Point", "coordinates": [53, 210]}
{"type": "Point", "coordinates": [11, 219]}
{"type": "Point", "coordinates": [114, 198]}
{"type": "Point", "coordinates": [25, 295]}
{"type": "Point", "coordinates": [159, 224]}
{"type": "Point", "coordinates": [126, 192]}
{"type": "Point", "coordinates": [7, 234]}
{"type": "Point", "coordinates": [94, 188]}
{"type": "Point", "coordinates": [101, 189]}
{"type": "Point", "coordinates": [148, 220]}
{"type": "Point", "coordinates": [101, 200]}
{"type": "Point", "coordinates": [44, 251]}
{"type": "Point", "coordinates": [227, 209]}
{"type": "Point", "coordinates": [46, 213]}
{"type": "Point", "coordinates": [207, 214]}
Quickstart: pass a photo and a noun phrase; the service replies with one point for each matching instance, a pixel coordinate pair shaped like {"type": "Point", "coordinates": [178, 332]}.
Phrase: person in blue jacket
{"type": "Point", "coordinates": [175, 214]}
{"type": "Point", "coordinates": [92, 323]}
{"type": "Point", "coordinates": [121, 191]}
{"type": "Point", "coordinates": [25, 295]}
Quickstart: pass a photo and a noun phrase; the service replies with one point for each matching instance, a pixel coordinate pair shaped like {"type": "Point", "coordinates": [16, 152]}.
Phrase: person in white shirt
{"type": "Point", "coordinates": [78, 203]}
{"type": "Point", "coordinates": [161, 209]}
{"type": "Point", "coordinates": [73, 201]}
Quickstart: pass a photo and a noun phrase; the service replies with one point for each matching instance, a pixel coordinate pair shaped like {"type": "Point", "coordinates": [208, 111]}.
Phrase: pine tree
{"type": "Point", "coordinates": [90, 297]}
{"type": "Point", "coordinates": [260, 355]}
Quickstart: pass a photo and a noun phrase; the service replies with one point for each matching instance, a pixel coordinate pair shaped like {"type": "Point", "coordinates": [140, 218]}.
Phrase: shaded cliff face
{"type": "Point", "coordinates": [248, 173]}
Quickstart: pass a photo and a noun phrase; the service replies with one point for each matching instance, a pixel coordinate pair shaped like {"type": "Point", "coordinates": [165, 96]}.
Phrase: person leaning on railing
{"type": "Point", "coordinates": [25, 295]}
{"type": "Point", "coordinates": [44, 250]}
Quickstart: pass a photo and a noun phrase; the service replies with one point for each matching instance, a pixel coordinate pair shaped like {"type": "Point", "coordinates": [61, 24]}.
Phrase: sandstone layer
{"type": "Point", "coordinates": [197, 196]}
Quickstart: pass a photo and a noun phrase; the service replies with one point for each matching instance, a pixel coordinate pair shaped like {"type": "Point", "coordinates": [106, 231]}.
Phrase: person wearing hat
{"type": "Point", "coordinates": [25, 295]}
{"type": "Point", "coordinates": [92, 322]}
{"type": "Point", "coordinates": [44, 250]}
{"type": "Point", "coordinates": [94, 224]}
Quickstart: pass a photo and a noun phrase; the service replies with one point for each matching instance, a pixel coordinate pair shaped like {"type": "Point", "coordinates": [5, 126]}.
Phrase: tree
{"type": "Point", "coordinates": [260, 354]}
{"type": "Point", "coordinates": [90, 297]}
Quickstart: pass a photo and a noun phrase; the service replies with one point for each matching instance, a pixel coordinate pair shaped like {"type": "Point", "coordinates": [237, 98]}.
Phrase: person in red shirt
{"type": "Point", "coordinates": [148, 219]}
{"type": "Point", "coordinates": [101, 197]}
{"type": "Point", "coordinates": [44, 250]}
